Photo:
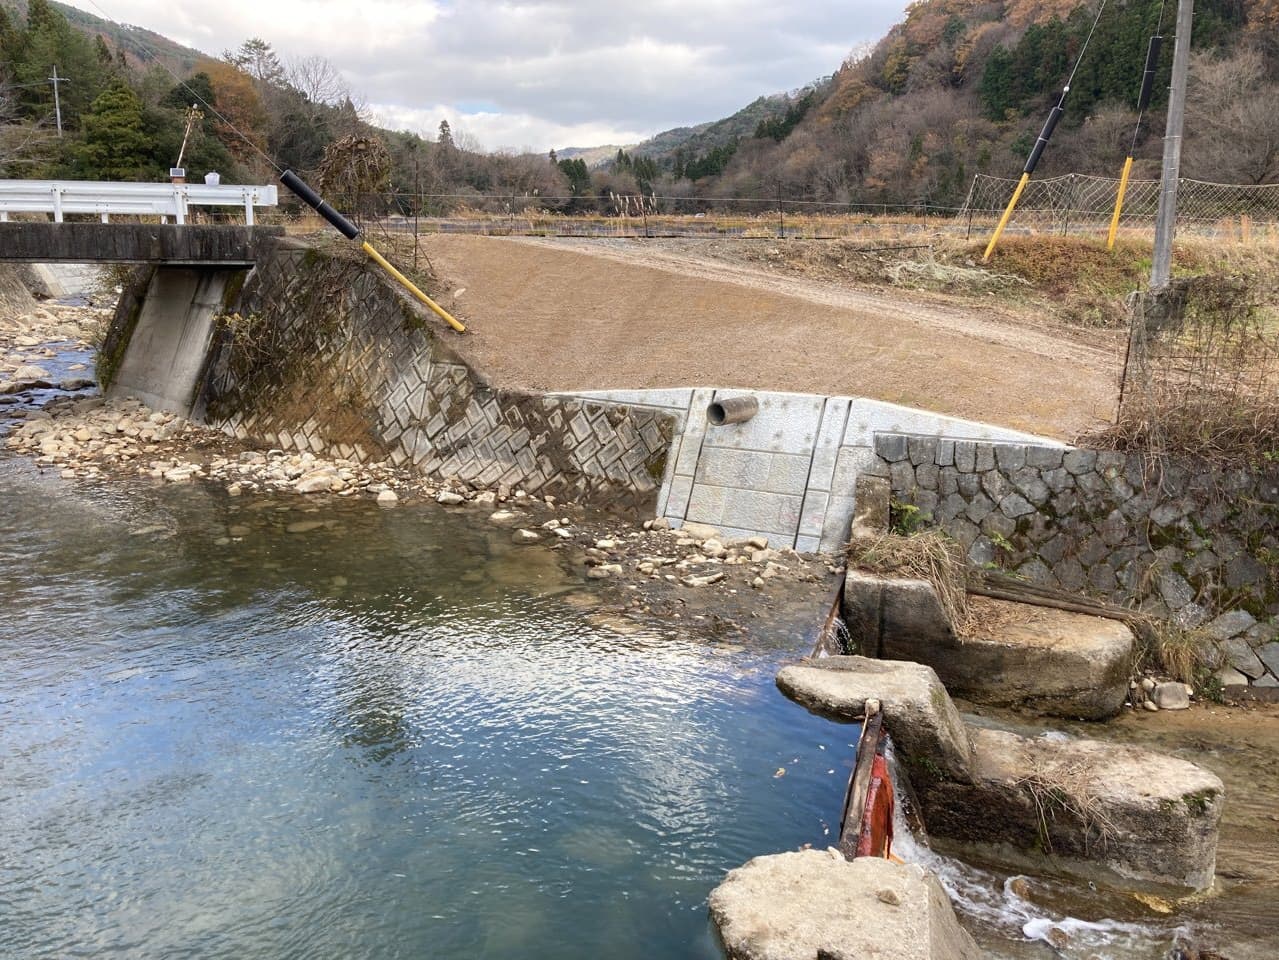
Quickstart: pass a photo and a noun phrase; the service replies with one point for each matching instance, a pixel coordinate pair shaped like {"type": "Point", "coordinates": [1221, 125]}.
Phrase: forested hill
{"type": "Point", "coordinates": [962, 86]}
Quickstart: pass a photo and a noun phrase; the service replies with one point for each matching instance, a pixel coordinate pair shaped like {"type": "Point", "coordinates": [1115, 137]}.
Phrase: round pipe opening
{"type": "Point", "coordinates": [731, 410]}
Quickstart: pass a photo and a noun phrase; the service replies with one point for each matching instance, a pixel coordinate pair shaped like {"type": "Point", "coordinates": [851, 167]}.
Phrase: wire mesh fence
{"type": "Point", "coordinates": [1076, 203]}
{"type": "Point", "coordinates": [648, 215]}
{"type": "Point", "coordinates": [1201, 375]}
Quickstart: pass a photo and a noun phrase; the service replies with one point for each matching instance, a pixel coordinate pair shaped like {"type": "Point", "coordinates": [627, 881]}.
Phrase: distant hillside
{"type": "Point", "coordinates": [962, 87]}
{"type": "Point", "coordinates": [716, 134]}
{"type": "Point", "coordinates": [143, 46]}
{"type": "Point", "coordinates": [593, 157]}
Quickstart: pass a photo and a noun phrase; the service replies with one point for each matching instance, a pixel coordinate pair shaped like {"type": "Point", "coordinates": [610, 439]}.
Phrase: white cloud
{"type": "Point", "coordinates": [541, 73]}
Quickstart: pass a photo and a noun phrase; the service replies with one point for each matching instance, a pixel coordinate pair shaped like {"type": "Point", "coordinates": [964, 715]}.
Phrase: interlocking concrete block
{"type": "Point", "coordinates": [785, 423]}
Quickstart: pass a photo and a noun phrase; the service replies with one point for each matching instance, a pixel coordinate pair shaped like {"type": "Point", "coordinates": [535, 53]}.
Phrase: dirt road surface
{"type": "Point", "coordinates": [565, 314]}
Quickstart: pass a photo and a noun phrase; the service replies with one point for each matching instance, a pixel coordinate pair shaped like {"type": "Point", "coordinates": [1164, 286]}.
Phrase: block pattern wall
{"type": "Point", "coordinates": [325, 356]}
{"type": "Point", "coordinates": [1196, 544]}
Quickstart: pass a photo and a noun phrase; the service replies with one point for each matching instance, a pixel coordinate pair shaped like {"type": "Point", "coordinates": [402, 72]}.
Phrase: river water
{"type": "Point", "coordinates": [394, 735]}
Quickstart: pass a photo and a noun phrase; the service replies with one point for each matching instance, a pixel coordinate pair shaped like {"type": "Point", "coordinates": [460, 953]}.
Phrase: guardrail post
{"type": "Point", "coordinates": [248, 208]}
{"type": "Point", "coordinates": [57, 205]}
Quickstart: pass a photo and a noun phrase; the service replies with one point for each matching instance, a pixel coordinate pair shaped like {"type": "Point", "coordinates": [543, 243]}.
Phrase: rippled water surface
{"type": "Point", "coordinates": [392, 735]}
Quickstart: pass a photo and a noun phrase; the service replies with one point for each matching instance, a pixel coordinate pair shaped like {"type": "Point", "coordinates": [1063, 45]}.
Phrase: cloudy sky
{"type": "Point", "coordinates": [539, 74]}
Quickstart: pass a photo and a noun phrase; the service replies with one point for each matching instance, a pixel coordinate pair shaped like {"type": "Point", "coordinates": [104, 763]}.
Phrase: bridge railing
{"type": "Point", "coordinates": [105, 199]}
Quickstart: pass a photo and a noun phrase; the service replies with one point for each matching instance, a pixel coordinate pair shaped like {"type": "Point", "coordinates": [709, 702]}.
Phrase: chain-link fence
{"type": "Point", "coordinates": [1081, 204]}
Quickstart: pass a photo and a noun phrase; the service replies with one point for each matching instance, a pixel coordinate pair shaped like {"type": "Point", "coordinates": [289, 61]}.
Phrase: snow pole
{"type": "Point", "coordinates": [1143, 101]}
{"type": "Point", "coordinates": [1054, 117]}
{"type": "Point", "coordinates": [349, 230]}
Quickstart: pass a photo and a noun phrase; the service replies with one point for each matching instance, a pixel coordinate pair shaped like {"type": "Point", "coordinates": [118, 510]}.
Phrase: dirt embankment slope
{"type": "Point", "coordinates": [578, 315]}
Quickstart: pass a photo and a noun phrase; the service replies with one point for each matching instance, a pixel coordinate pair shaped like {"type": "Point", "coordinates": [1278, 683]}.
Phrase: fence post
{"type": "Point", "coordinates": [781, 216]}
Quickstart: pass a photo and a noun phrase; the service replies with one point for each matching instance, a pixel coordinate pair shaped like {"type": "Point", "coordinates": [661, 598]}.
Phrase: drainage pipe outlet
{"type": "Point", "coordinates": [732, 410]}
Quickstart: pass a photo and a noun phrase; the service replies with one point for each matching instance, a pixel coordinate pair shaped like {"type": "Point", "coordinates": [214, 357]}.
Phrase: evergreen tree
{"type": "Point", "coordinates": [50, 41]}
{"type": "Point", "coordinates": [256, 58]}
{"type": "Point", "coordinates": [115, 145]}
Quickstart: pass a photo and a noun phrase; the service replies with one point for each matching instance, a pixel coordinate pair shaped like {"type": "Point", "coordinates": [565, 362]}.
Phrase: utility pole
{"type": "Point", "coordinates": [57, 99]}
{"type": "Point", "coordinates": [1166, 225]}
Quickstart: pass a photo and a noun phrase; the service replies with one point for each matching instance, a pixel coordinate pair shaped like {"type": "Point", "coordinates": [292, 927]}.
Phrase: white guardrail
{"type": "Point", "coordinates": [105, 198]}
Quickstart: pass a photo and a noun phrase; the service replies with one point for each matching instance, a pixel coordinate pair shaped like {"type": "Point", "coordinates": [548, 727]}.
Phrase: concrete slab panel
{"type": "Point", "coordinates": [839, 517]}
{"type": "Point", "coordinates": [852, 462]}
{"type": "Point", "coordinates": [166, 354]}
{"type": "Point", "coordinates": [812, 519]}
{"type": "Point", "coordinates": [757, 510]}
{"type": "Point", "coordinates": [829, 437]}
{"type": "Point", "coordinates": [726, 467]}
{"type": "Point", "coordinates": [786, 423]}
{"type": "Point", "coordinates": [694, 432]}
{"type": "Point", "coordinates": [808, 544]}
{"type": "Point", "coordinates": [867, 417]}
{"type": "Point", "coordinates": [674, 399]}
{"type": "Point", "coordinates": [706, 504]}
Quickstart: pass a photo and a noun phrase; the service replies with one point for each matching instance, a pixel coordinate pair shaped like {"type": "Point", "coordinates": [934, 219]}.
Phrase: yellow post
{"type": "Point", "coordinates": [411, 287]}
{"type": "Point", "coordinates": [1008, 215]}
{"type": "Point", "coordinates": [1119, 204]}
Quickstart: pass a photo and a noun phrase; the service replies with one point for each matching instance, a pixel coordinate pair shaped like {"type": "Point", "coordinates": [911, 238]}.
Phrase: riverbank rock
{"type": "Point", "coordinates": [1083, 807]}
{"type": "Point", "coordinates": [1053, 661]}
{"type": "Point", "coordinates": [918, 713]}
{"type": "Point", "coordinates": [810, 904]}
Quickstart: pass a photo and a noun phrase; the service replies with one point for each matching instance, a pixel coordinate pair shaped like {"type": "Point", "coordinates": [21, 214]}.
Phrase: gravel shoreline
{"type": "Point", "coordinates": [649, 568]}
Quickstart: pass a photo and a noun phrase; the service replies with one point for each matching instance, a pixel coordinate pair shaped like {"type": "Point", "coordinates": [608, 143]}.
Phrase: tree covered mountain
{"type": "Point", "coordinates": [960, 87]}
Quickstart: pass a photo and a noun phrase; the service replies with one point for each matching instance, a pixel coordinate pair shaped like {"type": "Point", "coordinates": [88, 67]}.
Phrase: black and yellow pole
{"type": "Point", "coordinates": [352, 232]}
{"type": "Point", "coordinates": [1031, 162]}
{"type": "Point", "coordinates": [1147, 87]}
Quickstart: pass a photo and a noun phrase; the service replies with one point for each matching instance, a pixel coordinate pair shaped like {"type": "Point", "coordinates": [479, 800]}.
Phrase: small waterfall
{"type": "Point", "coordinates": [1001, 906]}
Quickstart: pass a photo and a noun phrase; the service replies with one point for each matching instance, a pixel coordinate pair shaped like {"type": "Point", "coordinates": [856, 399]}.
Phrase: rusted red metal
{"type": "Point", "coordinates": [866, 828]}
{"type": "Point", "coordinates": [876, 836]}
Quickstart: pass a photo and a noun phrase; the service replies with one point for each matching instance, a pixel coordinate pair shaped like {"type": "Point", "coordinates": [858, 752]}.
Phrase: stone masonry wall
{"type": "Point", "coordinates": [325, 355]}
{"type": "Point", "coordinates": [1195, 544]}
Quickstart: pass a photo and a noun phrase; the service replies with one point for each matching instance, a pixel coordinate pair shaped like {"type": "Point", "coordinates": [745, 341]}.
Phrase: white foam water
{"type": "Point", "coordinates": [1008, 920]}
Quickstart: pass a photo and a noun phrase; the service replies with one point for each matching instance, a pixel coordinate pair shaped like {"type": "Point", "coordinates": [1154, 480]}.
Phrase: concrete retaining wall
{"type": "Point", "coordinates": [1198, 544]}
{"type": "Point", "coordinates": [323, 354]}
{"type": "Point", "coordinates": [788, 473]}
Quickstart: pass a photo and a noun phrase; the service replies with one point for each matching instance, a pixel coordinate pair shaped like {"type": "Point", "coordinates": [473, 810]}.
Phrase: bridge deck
{"type": "Point", "coordinates": [189, 245]}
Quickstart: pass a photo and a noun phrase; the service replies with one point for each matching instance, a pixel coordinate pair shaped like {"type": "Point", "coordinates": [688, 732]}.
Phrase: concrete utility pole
{"type": "Point", "coordinates": [1166, 225]}
{"type": "Point", "coordinates": [57, 99]}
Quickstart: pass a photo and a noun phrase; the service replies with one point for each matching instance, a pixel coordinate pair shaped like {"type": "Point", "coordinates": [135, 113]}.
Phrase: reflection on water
{"type": "Point", "coordinates": [391, 736]}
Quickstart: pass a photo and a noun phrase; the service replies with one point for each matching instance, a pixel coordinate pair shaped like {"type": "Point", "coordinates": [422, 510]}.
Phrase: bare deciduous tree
{"type": "Point", "coordinates": [1232, 127]}
{"type": "Point", "coordinates": [317, 79]}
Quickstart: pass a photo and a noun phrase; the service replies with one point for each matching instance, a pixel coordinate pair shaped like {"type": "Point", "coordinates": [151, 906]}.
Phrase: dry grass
{"type": "Point", "coordinates": [931, 556]}
{"type": "Point", "coordinates": [1067, 788]}
{"type": "Point", "coordinates": [1202, 377]}
{"type": "Point", "coordinates": [1185, 654]}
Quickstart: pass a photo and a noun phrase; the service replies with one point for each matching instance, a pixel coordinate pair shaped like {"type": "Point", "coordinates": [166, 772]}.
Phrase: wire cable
{"type": "Point", "coordinates": [1082, 50]}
